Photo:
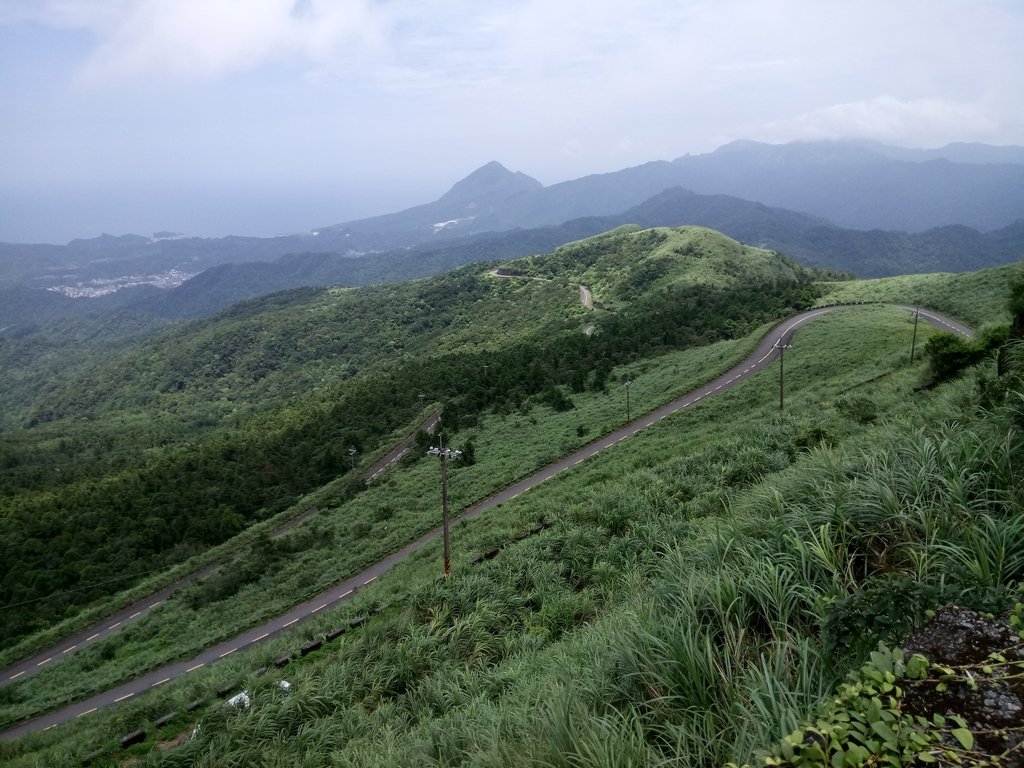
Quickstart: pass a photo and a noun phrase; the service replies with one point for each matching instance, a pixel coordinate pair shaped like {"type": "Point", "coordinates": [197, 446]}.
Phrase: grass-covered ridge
{"type": "Point", "coordinates": [973, 297]}
{"type": "Point", "coordinates": [629, 262]}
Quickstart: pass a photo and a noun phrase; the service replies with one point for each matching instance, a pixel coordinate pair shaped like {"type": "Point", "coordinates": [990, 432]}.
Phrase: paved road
{"type": "Point", "coordinates": [403, 448]}
{"type": "Point", "coordinates": [764, 355]}
{"type": "Point", "coordinates": [941, 322]}
{"type": "Point", "coordinates": [101, 629]}
{"type": "Point", "coordinates": [118, 621]}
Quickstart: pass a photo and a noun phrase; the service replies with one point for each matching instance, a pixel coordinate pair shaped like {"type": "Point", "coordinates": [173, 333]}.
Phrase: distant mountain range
{"type": "Point", "coordinates": [957, 208]}
{"type": "Point", "coordinates": [809, 239]}
{"type": "Point", "coordinates": [859, 185]}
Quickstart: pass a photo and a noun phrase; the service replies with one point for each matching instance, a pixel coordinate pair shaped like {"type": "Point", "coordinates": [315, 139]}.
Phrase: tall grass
{"type": "Point", "coordinates": [702, 591]}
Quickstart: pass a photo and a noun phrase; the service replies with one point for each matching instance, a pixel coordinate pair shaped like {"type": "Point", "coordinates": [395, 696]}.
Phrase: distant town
{"type": "Point", "coordinates": [90, 289]}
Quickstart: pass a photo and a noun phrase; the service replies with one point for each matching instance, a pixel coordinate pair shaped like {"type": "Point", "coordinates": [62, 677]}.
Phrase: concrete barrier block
{"type": "Point", "coordinates": [160, 722]}
{"type": "Point", "coordinates": [135, 737]}
{"type": "Point", "coordinates": [309, 647]}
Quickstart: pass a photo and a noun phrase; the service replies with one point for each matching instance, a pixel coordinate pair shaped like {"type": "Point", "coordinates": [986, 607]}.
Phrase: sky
{"type": "Point", "coordinates": [263, 117]}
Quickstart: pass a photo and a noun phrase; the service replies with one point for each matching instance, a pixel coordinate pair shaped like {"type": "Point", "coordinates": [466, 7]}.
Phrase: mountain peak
{"type": "Point", "coordinates": [490, 181]}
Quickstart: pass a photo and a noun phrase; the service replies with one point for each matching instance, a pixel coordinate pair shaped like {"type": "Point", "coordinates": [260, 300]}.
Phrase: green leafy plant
{"type": "Point", "coordinates": [864, 724]}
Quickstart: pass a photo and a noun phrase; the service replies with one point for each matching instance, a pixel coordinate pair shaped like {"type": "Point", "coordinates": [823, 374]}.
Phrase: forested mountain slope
{"type": "Point", "coordinates": [162, 448]}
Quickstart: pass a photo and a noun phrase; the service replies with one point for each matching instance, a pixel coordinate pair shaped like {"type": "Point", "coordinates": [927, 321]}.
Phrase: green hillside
{"type": "Point", "coordinates": [149, 455]}
{"type": "Point", "coordinates": [973, 297]}
{"type": "Point", "coordinates": [762, 555]}
{"type": "Point", "coordinates": [704, 588]}
{"type": "Point", "coordinates": [629, 262]}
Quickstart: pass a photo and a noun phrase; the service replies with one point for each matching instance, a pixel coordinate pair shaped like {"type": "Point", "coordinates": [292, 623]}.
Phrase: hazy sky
{"type": "Point", "coordinates": [267, 116]}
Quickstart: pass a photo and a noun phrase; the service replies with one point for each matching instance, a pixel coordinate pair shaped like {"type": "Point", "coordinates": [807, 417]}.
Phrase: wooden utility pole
{"type": "Point", "coordinates": [782, 369]}
{"type": "Point", "coordinates": [445, 454]}
{"type": "Point", "coordinates": [913, 341]}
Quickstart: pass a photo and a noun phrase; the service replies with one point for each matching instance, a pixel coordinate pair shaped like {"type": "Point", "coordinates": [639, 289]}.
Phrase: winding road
{"type": "Point", "coordinates": [764, 355]}
{"type": "Point", "coordinates": [108, 625]}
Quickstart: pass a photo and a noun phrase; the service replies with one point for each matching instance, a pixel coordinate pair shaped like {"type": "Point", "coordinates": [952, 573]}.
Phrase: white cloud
{"type": "Point", "coordinates": [383, 94]}
{"type": "Point", "coordinates": [200, 39]}
{"type": "Point", "coordinates": [921, 122]}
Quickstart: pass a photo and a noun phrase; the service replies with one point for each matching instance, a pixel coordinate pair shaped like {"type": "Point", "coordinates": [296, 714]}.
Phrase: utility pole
{"type": "Point", "coordinates": [626, 384]}
{"type": "Point", "coordinates": [352, 456]}
{"type": "Point", "coordinates": [779, 345]}
{"type": "Point", "coordinates": [913, 341]}
{"type": "Point", "coordinates": [444, 454]}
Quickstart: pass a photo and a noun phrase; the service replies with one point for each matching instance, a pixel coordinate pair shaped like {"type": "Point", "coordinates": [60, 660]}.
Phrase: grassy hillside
{"type": "Point", "coordinates": [630, 262]}
{"type": "Point", "coordinates": [761, 555]}
{"type": "Point", "coordinates": [142, 459]}
{"type": "Point", "coordinates": [974, 297]}
{"type": "Point", "coordinates": [706, 584]}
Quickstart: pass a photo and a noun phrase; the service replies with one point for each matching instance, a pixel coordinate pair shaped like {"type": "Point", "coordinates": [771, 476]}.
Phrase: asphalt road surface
{"type": "Point", "coordinates": [763, 356]}
{"type": "Point", "coordinates": [118, 621]}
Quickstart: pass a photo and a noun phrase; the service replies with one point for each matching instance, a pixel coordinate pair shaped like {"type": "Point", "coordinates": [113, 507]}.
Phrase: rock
{"type": "Point", "coordinates": [964, 641]}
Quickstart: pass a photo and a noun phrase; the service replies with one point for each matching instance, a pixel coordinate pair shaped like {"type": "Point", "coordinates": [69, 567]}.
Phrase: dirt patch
{"type": "Point", "coordinates": [178, 740]}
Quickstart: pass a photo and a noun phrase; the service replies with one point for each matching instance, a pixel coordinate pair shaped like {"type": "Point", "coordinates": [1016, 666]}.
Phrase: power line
{"type": "Point", "coordinates": [79, 589]}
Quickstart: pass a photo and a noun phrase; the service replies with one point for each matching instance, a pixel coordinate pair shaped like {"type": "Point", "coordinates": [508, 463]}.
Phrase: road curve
{"type": "Point", "coordinates": [941, 322]}
{"type": "Point", "coordinates": [765, 353]}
